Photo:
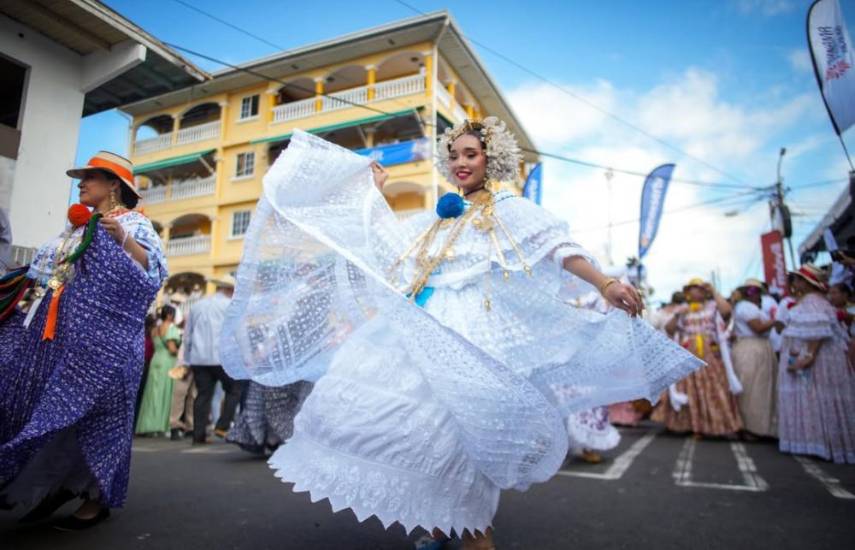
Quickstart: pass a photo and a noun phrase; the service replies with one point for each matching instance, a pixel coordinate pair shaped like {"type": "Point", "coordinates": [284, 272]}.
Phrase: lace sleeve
{"type": "Point", "coordinates": [140, 228]}
{"type": "Point", "coordinates": [811, 319]}
{"type": "Point", "coordinates": [319, 243]}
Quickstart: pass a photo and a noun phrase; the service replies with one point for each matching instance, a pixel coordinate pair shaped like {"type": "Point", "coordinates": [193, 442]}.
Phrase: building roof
{"type": "Point", "coordinates": [87, 27]}
{"type": "Point", "coordinates": [438, 27]}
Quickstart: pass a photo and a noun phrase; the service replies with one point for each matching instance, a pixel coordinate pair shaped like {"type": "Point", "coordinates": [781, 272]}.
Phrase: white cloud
{"type": "Point", "coordinates": [689, 112]}
{"type": "Point", "coordinates": [566, 121]}
{"type": "Point", "coordinates": [799, 59]}
{"type": "Point", "coordinates": [767, 8]}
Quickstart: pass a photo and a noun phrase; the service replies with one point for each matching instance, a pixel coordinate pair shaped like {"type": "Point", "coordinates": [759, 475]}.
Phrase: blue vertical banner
{"type": "Point", "coordinates": [652, 202]}
{"type": "Point", "coordinates": [533, 188]}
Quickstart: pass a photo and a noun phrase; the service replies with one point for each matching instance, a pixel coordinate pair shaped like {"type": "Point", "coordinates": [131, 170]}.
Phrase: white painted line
{"type": "Point", "coordinates": [620, 465]}
{"type": "Point", "coordinates": [206, 450]}
{"type": "Point", "coordinates": [832, 484]}
{"type": "Point", "coordinates": [747, 467]}
{"type": "Point", "coordinates": [144, 449]}
{"type": "Point", "coordinates": [683, 470]}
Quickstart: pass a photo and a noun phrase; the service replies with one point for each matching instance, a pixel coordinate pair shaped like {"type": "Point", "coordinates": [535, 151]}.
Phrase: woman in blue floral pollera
{"type": "Point", "coordinates": [70, 366]}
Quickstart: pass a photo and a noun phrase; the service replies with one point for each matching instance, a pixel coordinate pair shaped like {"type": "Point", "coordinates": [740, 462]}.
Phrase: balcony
{"type": "Point", "coordinates": [199, 123]}
{"type": "Point", "coordinates": [209, 130]}
{"type": "Point", "coordinates": [295, 110]}
{"type": "Point", "coordinates": [180, 189]}
{"type": "Point", "coordinates": [390, 89]}
{"type": "Point", "coordinates": [399, 87]}
{"type": "Point", "coordinates": [152, 145]}
{"type": "Point", "coordinates": [459, 113]}
{"type": "Point", "coordinates": [188, 246]}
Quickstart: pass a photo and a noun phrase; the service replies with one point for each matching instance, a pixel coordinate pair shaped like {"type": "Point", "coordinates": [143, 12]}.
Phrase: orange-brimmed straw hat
{"type": "Point", "coordinates": [813, 275]}
{"type": "Point", "coordinates": [117, 165]}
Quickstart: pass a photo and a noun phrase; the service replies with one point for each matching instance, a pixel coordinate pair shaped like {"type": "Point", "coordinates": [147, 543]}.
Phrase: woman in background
{"type": "Point", "coordinates": [157, 398]}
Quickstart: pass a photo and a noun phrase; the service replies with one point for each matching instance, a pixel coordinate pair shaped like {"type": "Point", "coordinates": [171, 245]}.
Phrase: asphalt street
{"type": "Point", "coordinates": [654, 491]}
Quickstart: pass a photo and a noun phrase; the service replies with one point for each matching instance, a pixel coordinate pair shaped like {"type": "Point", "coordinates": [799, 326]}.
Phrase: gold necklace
{"type": "Point", "coordinates": [482, 216]}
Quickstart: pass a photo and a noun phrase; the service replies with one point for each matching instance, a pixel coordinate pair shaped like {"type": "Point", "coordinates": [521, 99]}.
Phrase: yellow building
{"type": "Point", "coordinates": [200, 153]}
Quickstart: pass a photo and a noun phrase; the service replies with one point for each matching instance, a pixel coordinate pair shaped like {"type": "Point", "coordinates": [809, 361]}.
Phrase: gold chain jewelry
{"type": "Point", "coordinates": [606, 284]}
{"type": "Point", "coordinates": [482, 216]}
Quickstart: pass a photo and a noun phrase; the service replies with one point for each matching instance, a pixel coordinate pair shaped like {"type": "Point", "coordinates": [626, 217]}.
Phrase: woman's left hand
{"type": "Point", "coordinates": [114, 228]}
{"type": "Point", "coordinates": [624, 297]}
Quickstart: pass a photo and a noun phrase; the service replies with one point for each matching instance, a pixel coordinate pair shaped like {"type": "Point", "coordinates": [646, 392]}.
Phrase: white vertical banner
{"type": "Point", "coordinates": [833, 60]}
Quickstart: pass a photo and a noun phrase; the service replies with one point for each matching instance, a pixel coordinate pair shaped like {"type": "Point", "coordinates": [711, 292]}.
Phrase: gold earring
{"type": "Point", "coordinates": [114, 204]}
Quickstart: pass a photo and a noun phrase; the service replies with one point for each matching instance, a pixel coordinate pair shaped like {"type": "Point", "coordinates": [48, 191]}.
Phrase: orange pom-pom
{"type": "Point", "coordinates": [79, 214]}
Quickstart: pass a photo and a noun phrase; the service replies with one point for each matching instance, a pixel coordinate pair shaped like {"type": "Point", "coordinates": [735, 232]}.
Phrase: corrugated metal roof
{"type": "Point", "coordinates": [88, 26]}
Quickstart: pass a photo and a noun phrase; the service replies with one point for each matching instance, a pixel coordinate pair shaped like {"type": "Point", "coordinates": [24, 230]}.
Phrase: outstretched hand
{"type": "Point", "coordinates": [624, 297]}
{"type": "Point", "coordinates": [380, 175]}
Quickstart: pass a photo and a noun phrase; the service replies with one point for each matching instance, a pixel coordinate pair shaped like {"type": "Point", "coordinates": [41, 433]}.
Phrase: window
{"type": "Point", "coordinates": [245, 165]}
{"type": "Point", "coordinates": [12, 93]}
{"type": "Point", "coordinates": [249, 107]}
{"type": "Point", "coordinates": [240, 223]}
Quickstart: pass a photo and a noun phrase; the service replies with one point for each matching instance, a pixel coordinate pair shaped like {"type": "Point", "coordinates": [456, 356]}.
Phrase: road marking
{"type": "Point", "coordinates": [144, 449]}
{"type": "Point", "coordinates": [683, 470]}
{"type": "Point", "coordinates": [832, 484]}
{"type": "Point", "coordinates": [206, 450]}
{"type": "Point", "coordinates": [620, 465]}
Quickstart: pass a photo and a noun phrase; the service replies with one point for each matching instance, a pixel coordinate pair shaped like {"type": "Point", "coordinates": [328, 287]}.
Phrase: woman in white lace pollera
{"type": "Point", "coordinates": [437, 343]}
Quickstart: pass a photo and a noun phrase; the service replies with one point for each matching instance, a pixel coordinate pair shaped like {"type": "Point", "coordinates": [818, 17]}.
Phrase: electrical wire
{"type": "Point", "coordinates": [736, 199]}
{"type": "Point", "coordinates": [586, 101]}
{"type": "Point", "coordinates": [555, 156]}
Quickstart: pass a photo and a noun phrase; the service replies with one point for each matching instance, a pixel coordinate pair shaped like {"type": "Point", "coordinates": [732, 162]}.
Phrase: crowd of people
{"type": "Point", "coordinates": [410, 370]}
{"type": "Point", "coordinates": [179, 383]}
{"type": "Point", "coordinates": [777, 367]}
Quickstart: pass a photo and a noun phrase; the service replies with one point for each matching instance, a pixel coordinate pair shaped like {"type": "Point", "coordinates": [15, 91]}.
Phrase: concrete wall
{"type": "Point", "coordinates": [57, 81]}
{"type": "Point", "coordinates": [53, 103]}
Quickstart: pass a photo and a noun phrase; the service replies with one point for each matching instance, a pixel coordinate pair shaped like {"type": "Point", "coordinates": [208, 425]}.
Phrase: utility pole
{"type": "Point", "coordinates": [780, 211]}
{"type": "Point", "coordinates": [609, 175]}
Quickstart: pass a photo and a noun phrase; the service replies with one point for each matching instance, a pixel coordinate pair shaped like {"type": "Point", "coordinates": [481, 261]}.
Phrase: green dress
{"type": "Point", "coordinates": [157, 396]}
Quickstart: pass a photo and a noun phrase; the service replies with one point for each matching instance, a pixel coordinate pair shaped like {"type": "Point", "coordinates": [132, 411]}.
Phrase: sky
{"type": "Point", "coordinates": [724, 83]}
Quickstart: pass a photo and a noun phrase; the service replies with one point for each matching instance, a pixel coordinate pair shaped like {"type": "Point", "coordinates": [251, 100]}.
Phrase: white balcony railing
{"type": "Point", "coordinates": [150, 145]}
{"type": "Point", "coordinates": [297, 109]}
{"type": "Point", "coordinates": [443, 96]}
{"type": "Point", "coordinates": [188, 246]}
{"type": "Point", "coordinates": [154, 194]}
{"type": "Point", "coordinates": [399, 87]}
{"type": "Point", "coordinates": [459, 113]}
{"type": "Point", "coordinates": [389, 89]}
{"type": "Point", "coordinates": [180, 189]}
{"type": "Point", "coordinates": [197, 187]}
{"type": "Point", "coordinates": [209, 130]}
{"type": "Point", "coordinates": [345, 98]}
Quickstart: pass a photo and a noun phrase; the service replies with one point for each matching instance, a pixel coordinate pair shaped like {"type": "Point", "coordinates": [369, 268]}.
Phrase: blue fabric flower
{"type": "Point", "coordinates": [450, 205]}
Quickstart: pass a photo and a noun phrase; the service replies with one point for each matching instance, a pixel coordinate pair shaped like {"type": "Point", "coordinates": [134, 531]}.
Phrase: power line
{"type": "Point", "coordinates": [428, 123]}
{"type": "Point", "coordinates": [816, 184]}
{"type": "Point", "coordinates": [228, 24]}
{"type": "Point", "coordinates": [586, 101]}
{"type": "Point", "coordinates": [640, 174]}
{"type": "Point", "coordinates": [738, 198]}
{"type": "Point", "coordinates": [550, 155]}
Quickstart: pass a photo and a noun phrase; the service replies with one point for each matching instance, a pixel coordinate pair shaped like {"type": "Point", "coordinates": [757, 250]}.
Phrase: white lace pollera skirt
{"type": "Point", "coordinates": [371, 437]}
